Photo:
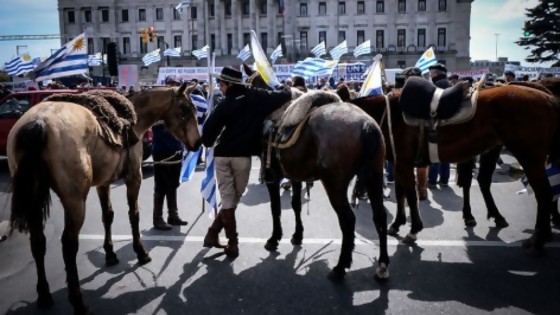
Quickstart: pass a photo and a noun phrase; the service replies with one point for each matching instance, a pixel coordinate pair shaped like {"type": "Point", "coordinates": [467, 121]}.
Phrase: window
{"type": "Point", "coordinates": [380, 6]}
{"type": "Point", "coordinates": [124, 15]}
{"type": "Point", "coordinates": [303, 9]}
{"type": "Point", "coordinates": [323, 37]}
{"type": "Point", "coordinates": [341, 7]}
{"type": "Point", "coordinates": [361, 7]}
{"type": "Point", "coordinates": [264, 40]}
{"type": "Point", "coordinates": [246, 38]}
{"type": "Point", "coordinates": [161, 42]}
{"type": "Point", "coordinates": [245, 7]}
{"type": "Point", "coordinates": [141, 14]}
{"type": "Point", "coordinates": [90, 46]}
{"type": "Point", "coordinates": [193, 13]}
{"type": "Point", "coordinates": [263, 7]}
{"type": "Point", "coordinates": [421, 37]}
{"type": "Point", "coordinates": [176, 15]}
{"type": "Point", "coordinates": [87, 16]}
{"type": "Point", "coordinates": [71, 16]}
{"type": "Point", "coordinates": [341, 36]}
{"type": "Point", "coordinates": [212, 10]}
{"type": "Point", "coordinates": [442, 5]}
{"type": "Point", "coordinates": [441, 37]}
{"type": "Point", "coordinates": [401, 38]}
{"type": "Point", "coordinates": [177, 41]}
{"type": "Point", "coordinates": [322, 8]}
{"type": "Point", "coordinates": [159, 14]}
{"type": "Point", "coordinates": [229, 43]}
{"type": "Point", "coordinates": [104, 42]}
{"type": "Point", "coordinates": [281, 38]}
{"type": "Point", "coordinates": [303, 40]}
{"type": "Point", "coordinates": [105, 15]}
{"type": "Point", "coordinates": [212, 41]}
{"type": "Point", "coordinates": [143, 46]}
{"type": "Point", "coordinates": [360, 37]}
{"type": "Point", "coordinates": [402, 6]}
{"type": "Point", "coordinates": [379, 39]}
{"type": "Point", "coordinates": [227, 5]}
{"type": "Point", "coordinates": [194, 42]}
{"type": "Point", "coordinates": [126, 45]}
{"type": "Point", "coordinates": [421, 5]}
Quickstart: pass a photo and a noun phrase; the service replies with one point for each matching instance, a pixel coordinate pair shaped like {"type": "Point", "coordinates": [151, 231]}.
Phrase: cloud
{"type": "Point", "coordinates": [513, 9]}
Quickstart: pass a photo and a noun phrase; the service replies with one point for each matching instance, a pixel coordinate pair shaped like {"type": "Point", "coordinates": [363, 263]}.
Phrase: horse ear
{"type": "Point", "coordinates": [248, 69]}
{"type": "Point", "coordinates": [182, 88]}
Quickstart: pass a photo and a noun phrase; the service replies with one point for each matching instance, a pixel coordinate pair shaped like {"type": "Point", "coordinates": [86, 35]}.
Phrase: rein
{"type": "Point", "coordinates": [166, 161]}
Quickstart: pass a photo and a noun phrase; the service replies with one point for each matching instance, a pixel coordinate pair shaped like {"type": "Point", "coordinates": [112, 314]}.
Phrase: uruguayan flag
{"type": "Point", "coordinates": [319, 50]}
{"type": "Point", "coordinates": [339, 50]}
{"type": "Point", "coordinates": [190, 158]}
{"type": "Point", "coordinates": [276, 53]}
{"type": "Point", "coordinates": [245, 53]}
{"type": "Point", "coordinates": [173, 52]}
{"type": "Point", "coordinates": [201, 53]}
{"type": "Point", "coordinates": [553, 174]}
{"type": "Point", "coordinates": [427, 59]}
{"type": "Point", "coordinates": [69, 60]}
{"type": "Point", "coordinates": [363, 48]}
{"type": "Point", "coordinates": [372, 84]}
{"type": "Point", "coordinates": [208, 186]}
{"type": "Point", "coordinates": [151, 57]}
{"type": "Point", "coordinates": [311, 67]}
{"type": "Point", "coordinates": [95, 60]}
{"type": "Point", "coordinates": [20, 65]}
{"type": "Point", "coordinates": [183, 4]}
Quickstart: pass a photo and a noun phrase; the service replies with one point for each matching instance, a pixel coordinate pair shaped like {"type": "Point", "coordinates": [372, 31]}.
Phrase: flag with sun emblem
{"type": "Point", "coordinates": [69, 60]}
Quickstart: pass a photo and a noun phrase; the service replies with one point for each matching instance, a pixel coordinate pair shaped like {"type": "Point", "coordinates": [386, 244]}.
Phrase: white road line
{"type": "Point", "coordinates": [318, 241]}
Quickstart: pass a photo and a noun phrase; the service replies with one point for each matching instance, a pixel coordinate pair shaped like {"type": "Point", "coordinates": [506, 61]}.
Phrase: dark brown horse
{"type": "Point", "coordinates": [504, 116]}
{"type": "Point", "coordinates": [58, 145]}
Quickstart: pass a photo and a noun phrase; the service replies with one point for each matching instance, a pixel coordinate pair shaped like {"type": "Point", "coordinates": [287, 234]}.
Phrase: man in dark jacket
{"type": "Point", "coordinates": [235, 125]}
{"type": "Point", "coordinates": [438, 74]}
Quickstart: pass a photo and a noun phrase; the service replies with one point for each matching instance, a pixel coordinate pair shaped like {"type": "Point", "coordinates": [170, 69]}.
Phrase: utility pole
{"type": "Point", "coordinates": [497, 35]}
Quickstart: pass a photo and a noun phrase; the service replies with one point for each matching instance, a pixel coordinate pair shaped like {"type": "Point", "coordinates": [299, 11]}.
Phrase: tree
{"type": "Point", "coordinates": [542, 32]}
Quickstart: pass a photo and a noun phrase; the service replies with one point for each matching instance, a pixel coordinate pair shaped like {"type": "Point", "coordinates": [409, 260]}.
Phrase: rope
{"type": "Point", "coordinates": [166, 161]}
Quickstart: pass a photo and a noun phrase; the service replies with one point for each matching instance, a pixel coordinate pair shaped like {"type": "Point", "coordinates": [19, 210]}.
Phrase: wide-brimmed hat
{"type": "Point", "coordinates": [438, 66]}
{"type": "Point", "coordinates": [229, 74]}
{"type": "Point", "coordinates": [412, 72]}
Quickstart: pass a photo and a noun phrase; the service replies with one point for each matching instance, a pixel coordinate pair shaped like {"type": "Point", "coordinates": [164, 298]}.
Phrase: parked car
{"type": "Point", "coordinates": [14, 105]}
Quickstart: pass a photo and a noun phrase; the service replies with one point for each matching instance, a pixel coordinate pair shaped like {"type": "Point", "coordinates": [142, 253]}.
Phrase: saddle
{"type": "Point", "coordinates": [114, 112]}
{"type": "Point", "coordinates": [298, 113]}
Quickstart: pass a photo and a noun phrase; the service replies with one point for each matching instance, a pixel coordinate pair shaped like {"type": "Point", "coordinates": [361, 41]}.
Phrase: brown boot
{"type": "Point", "coordinates": [172, 209]}
{"type": "Point", "coordinates": [159, 223]}
{"type": "Point", "coordinates": [422, 182]}
{"type": "Point", "coordinates": [228, 220]}
{"type": "Point", "coordinates": [212, 238]}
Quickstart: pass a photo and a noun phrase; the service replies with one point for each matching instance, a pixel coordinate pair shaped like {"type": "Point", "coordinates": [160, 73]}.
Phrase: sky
{"type": "Point", "coordinates": [488, 17]}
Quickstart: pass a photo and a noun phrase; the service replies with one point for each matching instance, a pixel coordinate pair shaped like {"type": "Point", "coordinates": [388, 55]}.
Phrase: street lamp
{"type": "Point", "coordinates": [22, 47]}
{"type": "Point", "coordinates": [497, 35]}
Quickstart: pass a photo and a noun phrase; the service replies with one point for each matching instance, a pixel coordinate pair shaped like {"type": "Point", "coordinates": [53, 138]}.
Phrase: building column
{"type": "Point", "coordinates": [221, 21]}
{"type": "Point", "coordinates": [271, 22]}
{"type": "Point", "coordinates": [237, 29]}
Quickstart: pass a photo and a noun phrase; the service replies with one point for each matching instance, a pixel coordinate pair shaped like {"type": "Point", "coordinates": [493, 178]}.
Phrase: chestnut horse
{"type": "Point", "coordinates": [523, 119]}
{"type": "Point", "coordinates": [57, 145]}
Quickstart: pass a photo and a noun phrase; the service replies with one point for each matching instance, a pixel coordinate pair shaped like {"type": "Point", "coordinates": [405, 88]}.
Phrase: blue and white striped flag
{"type": "Point", "coordinates": [372, 84]}
{"type": "Point", "coordinates": [208, 186]}
{"type": "Point", "coordinates": [183, 4]}
{"type": "Point", "coordinates": [311, 67]}
{"type": "Point", "coordinates": [21, 64]}
{"type": "Point", "coordinates": [363, 49]}
{"type": "Point", "coordinates": [69, 60]}
{"type": "Point", "coordinates": [427, 59]}
{"type": "Point", "coordinates": [319, 50]}
{"type": "Point", "coordinates": [95, 60]}
{"type": "Point", "coordinates": [245, 53]}
{"type": "Point", "coordinates": [190, 158]}
{"type": "Point", "coordinates": [339, 50]}
{"type": "Point", "coordinates": [201, 53]}
{"type": "Point", "coordinates": [173, 52]}
{"type": "Point", "coordinates": [151, 57]}
{"type": "Point", "coordinates": [553, 174]}
{"type": "Point", "coordinates": [276, 53]}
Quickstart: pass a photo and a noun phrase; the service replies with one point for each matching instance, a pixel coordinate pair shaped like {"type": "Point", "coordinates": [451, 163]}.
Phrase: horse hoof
{"type": "Point", "coordinates": [501, 223]}
{"type": "Point", "coordinates": [410, 239]}
{"type": "Point", "coordinates": [296, 241]}
{"type": "Point", "coordinates": [381, 272]}
{"type": "Point", "coordinates": [337, 274]}
{"type": "Point", "coordinates": [111, 260]}
{"type": "Point", "coordinates": [271, 246]}
{"type": "Point", "coordinates": [144, 260]}
{"type": "Point", "coordinates": [45, 301]}
{"type": "Point", "coordinates": [470, 222]}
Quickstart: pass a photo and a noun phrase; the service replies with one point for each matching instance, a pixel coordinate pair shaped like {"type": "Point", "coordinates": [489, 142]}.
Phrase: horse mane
{"type": "Point", "coordinates": [553, 84]}
{"type": "Point", "coordinates": [296, 112]}
{"type": "Point", "coordinates": [533, 85]}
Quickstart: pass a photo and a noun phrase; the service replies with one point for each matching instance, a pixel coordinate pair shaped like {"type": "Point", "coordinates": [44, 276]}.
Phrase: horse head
{"type": "Point", "coordinates": [181, 118]}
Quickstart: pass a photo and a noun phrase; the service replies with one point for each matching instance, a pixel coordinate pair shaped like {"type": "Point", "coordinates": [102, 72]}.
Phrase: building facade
{"type": "Point", "coordinates": [400, 30]}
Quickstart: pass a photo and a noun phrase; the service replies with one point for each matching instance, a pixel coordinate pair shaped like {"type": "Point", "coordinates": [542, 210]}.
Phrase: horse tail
{"type": "Point", "coordinates": [31, 181]}
{"type": "Point", "coordinates": [373, 142]}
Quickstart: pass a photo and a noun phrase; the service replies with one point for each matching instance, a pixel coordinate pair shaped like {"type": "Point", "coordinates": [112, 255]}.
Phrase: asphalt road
{"type": "Point", "coordinates": [452, 270]}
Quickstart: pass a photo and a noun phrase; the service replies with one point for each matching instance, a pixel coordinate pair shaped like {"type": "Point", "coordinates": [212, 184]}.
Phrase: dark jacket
{"type": "Point", "coordinates": [441, 81]}
{"type": "Point", "coordinates": [164, 141]}
{"type": "Point", "coordinates": [238, 120]}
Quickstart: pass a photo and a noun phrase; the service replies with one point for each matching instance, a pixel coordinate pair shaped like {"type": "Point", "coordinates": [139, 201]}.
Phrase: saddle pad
{"type": "Point", "coordinates": [297, 111]}
{"type": "Point", "coordinates": [420, 97]}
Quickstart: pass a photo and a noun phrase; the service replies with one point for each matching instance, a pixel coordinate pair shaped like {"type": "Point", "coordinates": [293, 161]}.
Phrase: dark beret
{"type": "Point", "coordinates": [412, 72]}
{"type": "Point", "coordinates": [510, 73]}
{"type": "Point", "coordinates": [439, 66]}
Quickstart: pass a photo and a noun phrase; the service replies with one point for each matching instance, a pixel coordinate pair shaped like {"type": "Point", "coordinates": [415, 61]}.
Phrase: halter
{"type": "Point", "coordinates": [251, 78]}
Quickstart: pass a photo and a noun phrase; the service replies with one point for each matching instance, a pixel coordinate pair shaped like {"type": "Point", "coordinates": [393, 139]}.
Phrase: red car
{"type": "Point", "coordinates": [14, 105]}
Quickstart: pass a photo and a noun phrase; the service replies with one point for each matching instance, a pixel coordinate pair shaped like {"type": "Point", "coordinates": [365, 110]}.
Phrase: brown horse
{"type": "Point", "coordinates": [523, 119]}
{"type": "Point", "coordinates": [57, 145]}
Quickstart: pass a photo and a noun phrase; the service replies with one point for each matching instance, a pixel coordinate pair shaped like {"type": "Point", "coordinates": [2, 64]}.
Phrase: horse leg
{"type": "Point", "coordinates": [275, 208]}
{"type": "Point", "coordinates": [347, 221]}
{"type": "Point", "coordinates": [375, 193]}
{"type": "Point", "coordinates": [487, 167]}
{"type": "Point", "coordinates": [464, 180]}
{"type": "Point", "coordinates": [38, 249]}
{"type": "Point", "coordinates": [107, 214]}
{"type": "Point", "coordinates": [132, 189]}
{"type": "Point", "coordinates": [555, 215]}
{"type": "Point", "coordinates": [297, 237]}
{"type": "Point", "coordinates": [400, 217]}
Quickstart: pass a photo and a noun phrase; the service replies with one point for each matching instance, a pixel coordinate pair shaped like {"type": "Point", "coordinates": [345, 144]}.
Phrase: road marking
{"type": "Point", "coordinates": [319, 241]}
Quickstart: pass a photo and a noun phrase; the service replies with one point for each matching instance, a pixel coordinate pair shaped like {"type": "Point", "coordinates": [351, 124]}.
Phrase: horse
{"type": "Point", "coordinates": [503, 117]}
{"type": "Point", "coordinates": [61, 145]}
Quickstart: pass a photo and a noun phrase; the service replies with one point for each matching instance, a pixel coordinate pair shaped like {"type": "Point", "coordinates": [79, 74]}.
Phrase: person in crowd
{"type": "Point", "coordinates": [131, 89]}
{"type": "Point", "coordinates": [510, 76]}
{"type": "Point", "coordinates": [235, 126]}
{"type": "Point", "coordinates": [438, 75]}
{"type": "Point", "coordinates": [453, 79]}
{"type": "Point", "coordinates": [525, 78]}
{"type": "Point", "coordinates": [322, 83]}
{"type": "Point", "coordinates": [166, 176]}
{"type": "Point", "coordinates": [299, 83]}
